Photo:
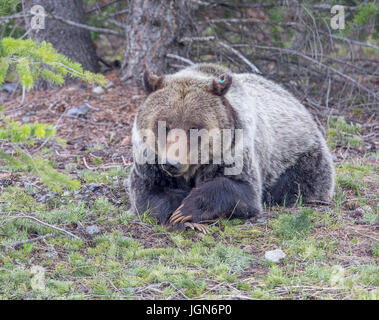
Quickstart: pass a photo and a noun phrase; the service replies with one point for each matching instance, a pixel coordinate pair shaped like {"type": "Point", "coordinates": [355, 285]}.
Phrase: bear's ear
{"type": "Point", "coordinates": [222, 84]}
{"type": "Point", "coordinates": [151, 81]}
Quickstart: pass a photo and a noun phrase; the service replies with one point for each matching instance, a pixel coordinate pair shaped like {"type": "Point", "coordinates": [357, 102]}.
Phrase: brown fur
{"type": "Point", "coordinates": [185, 104]}
{"type": "Point", "coordinates": [284, 153]}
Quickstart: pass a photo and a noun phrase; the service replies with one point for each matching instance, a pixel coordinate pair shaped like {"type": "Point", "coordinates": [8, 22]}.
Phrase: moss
{"type": "Point", "coordinates": [16, 199]}
{"type": "Point", "coordinates": [102, 207]}
{"type": "Point", "coordinates": [341, 133]}
{"type": "Point", "coordinates": [375, 250]}
{"type": "Point", "coordinates": [288, 226]}
{"type": "Point", "coordinates": [105, 176]}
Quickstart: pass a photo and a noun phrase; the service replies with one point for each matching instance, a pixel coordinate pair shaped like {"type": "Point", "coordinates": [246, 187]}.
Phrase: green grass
{"type": "Point", "coordinates": [328, 256]}
{"type": "Point", "coordinates": [340, 133]}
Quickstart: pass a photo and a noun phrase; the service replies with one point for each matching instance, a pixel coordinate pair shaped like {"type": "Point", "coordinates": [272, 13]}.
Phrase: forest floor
{"type": "Point", "coordinates": [90, 246]}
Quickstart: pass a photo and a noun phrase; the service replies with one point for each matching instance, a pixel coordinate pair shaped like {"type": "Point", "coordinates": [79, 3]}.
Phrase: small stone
{"type": "Point", "coordinates": [110, 84]}
{"type": "Point", "coordinates": [50, 254]}
{"type": "Point", "coordinates": [261, 220]}
{"type": "Point", "coordinates": [134, 98]}
{"type": "Point", "coordinates": [91, 230]}
{"type": "Point", "coordinates": [5, 182]}
{"type": "Point", "coordinates": [98, 90]}
{"type": "Point", "coordinates": [80, 111]}
{"type": "Point", "coordinates": [83, 86]}
{"type": "Point", "coordinates": [358, 213]}
{"type": "Point", "coordinates": [93, 187]}
{"type": "Point", "coordinates": [372, 158]}
{"type": "Point", "coordinates": [367, 209]}
{"type": "Point", "coordinates": [275, 255]}
{"type": "Point", "coordinates": [9, 87]}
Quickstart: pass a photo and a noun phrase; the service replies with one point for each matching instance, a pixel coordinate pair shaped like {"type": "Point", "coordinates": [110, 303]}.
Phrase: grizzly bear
{"type": "Point", "coordinates": [267, 149]}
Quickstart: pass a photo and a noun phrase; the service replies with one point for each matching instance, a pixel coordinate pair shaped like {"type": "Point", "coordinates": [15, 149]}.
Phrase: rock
{"type": "Point", "coordinates": [110, 84]}
{"type": "Point", "coordinates": [93, 187]}
{"type": "Point", "coordinates": [80, 111]}
{"type": "Point", "coordinates": [275, 255]}
{"type": "Point", "coordinates": [372, 158]}
{"type": "Point", "coordinates": [134, 98]}
{"type": "Point", "coordinates": [91, 230]}
{"type": "Point", "coordinates": [98, 90]}
{"type": "Point", "coordinates": [367, 209]}
{"type": "Point", "coordinates": [358, 213]}
{"type": "Point", "coordinates": [261, 220]}
{"type": "Point", "coordinates": [5, 182]}
{"type": "Point", "coordinates": [50, 254]}
{"type": "Point", "coordinates": [9, 87]}
{"type": "Point", "coordinates": [82, 86]}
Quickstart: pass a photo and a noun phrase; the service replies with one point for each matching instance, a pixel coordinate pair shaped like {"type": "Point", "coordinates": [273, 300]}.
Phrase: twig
{"type": "Point", "coordinates": [352, 41]}
{"type": "Point", "coordinates": [87, 166]}
{"type": "Point", "coordinates": [85, 26]}
{"type": "Point", "coordinates": [241, 56]}
{"type": "Point", "coordinates": [363, 234]}
{"type": "Point", "coordinates": [117, 23]}
{"type": "Point", "coordinates": [15, 16]}
{"type": "Point", "coordinates": [174, 56]}
{"type": "Point", "coordinates": [293, 52]}
{"type": "Point", "coordinates": [99, 8]}
{"type": "Point", "coordinates": [45, 224]}
{"type": "Point", "coordinates": [226, 46]}
{"type": "Point", "coordinates": [106, 166]}
{"type": "Point", "coordinates": [191, 39]}
{"type": "Point", "coordinates": [251, 20]}
{"type": "Point", "coordinates": [16, 244]}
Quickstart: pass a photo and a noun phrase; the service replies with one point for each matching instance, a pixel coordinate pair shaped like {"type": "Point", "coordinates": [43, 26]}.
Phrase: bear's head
{"type": "Point", "coordinates": [182, 120]}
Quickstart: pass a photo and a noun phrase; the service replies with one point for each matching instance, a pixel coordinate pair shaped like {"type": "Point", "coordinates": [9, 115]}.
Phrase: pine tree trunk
{"type": "Point", "coordinates": [75, 43]}
{"type": "Point", "coordinates": [153, 30]}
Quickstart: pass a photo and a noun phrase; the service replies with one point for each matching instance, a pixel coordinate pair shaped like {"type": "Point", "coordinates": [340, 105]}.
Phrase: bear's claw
{"type": "Point", "coordinates": [177, 217]}
{"type": "Point", "coordinates": [197, 226]}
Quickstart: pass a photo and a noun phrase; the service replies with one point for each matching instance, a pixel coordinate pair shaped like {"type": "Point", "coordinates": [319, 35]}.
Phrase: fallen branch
{"type": "Point", "coordinates": [22, 216]}
{"type": "Point", "coordinates": [17, 244]}
{"type": "Point", "coordinates": [106, 166]}
{"type": "Point", "coordinates": [297, 53]}
{"type": "Point", "coordinates": [352, 41]}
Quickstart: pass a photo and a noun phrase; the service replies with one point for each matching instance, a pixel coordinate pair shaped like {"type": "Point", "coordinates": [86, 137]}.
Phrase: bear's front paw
{"type": "Point", "coordinates": [179, 220]}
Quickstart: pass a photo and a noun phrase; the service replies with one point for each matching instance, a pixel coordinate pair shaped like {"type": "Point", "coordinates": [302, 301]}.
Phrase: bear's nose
{"type": "Point", "coordinates": [173, 163]}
